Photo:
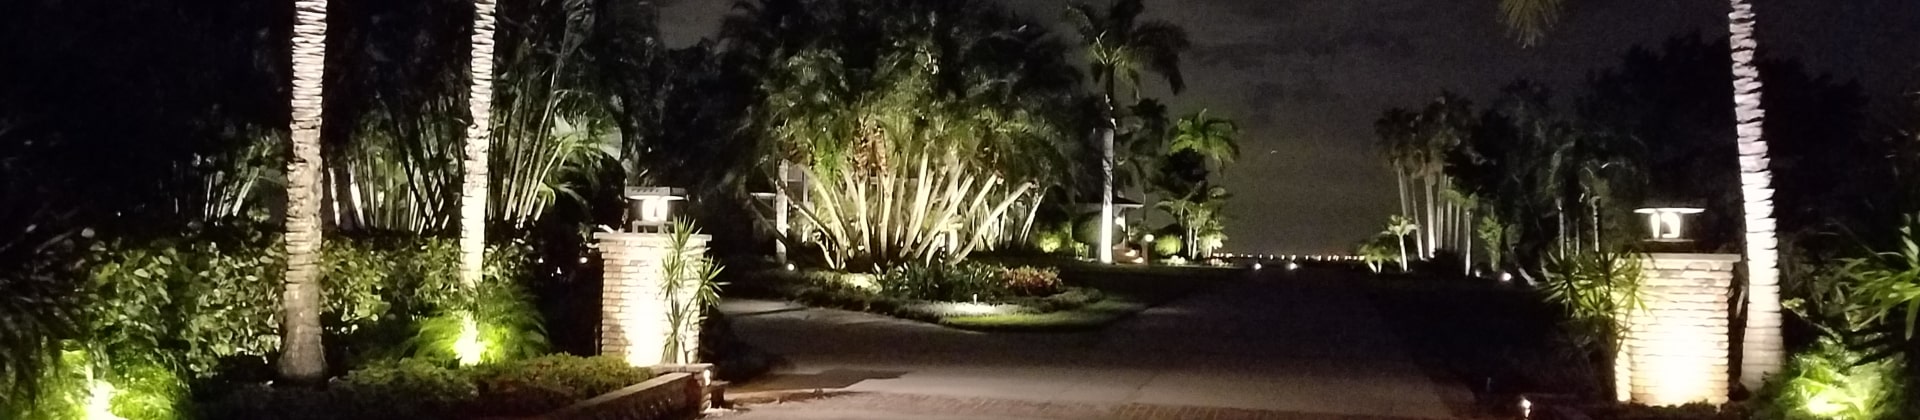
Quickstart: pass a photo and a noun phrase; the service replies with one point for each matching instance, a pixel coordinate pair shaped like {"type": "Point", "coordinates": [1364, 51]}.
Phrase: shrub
{"type": "Point", "coordinates": [1168, 245]}
{"type": "Point", "coordinates": [942, 282]}
{"type": "Point", "coordinates": [422, 389]}
{"type": "Point", "coordinates": [1831, 382]}
{"type": "Point", "coordinates": [1030, 281]}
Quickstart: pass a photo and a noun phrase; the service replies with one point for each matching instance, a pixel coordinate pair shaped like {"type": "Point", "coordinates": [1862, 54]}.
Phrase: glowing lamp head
{"type": "Point", "coordinates": [1666, 223]}
{"type": "Point", "coordinates": [1256, 266]}
{"type": "Point", "coordinates": [653, 205]}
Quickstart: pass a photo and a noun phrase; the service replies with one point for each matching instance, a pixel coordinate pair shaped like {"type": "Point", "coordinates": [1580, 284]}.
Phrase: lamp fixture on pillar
{"type": "Point", "coordinates": [651, 208]}
{"type": "Point", "coordinates": [1665, 224]}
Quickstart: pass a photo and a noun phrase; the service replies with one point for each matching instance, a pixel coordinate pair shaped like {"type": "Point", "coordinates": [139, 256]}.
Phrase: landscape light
{"type": "Point", "coordinates": [789, 266]}
{"type": "Point", "coordinates": [467, 347]}
{"type": "Point", "coordinates": [1526, 408]}
{"type": "Point", "coordinates": [1256, 266]}
{"type": "Point", "coordinates": [100, 400]}
{"type": "Point", "coordinates": [1506, 277]}
{"type": "Point", "coordinates": [1293, 266]}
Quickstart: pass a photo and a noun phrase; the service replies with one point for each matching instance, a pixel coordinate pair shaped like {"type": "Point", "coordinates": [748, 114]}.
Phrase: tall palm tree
{"type": "Point", "coordinates": [1762, 350]}
{"type": "Point", "coordinates": [473, 164]}
{"type": "Point", "coordinates": [302, 357]}
{"type": "Point", "coordinates": [1119, 45]}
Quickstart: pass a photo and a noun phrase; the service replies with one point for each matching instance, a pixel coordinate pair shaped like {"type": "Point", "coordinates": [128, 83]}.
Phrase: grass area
{"type": "Point", "coordinates": [1090, 317]}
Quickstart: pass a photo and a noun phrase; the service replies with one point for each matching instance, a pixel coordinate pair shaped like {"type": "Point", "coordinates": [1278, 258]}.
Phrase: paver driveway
{"type": "Point", "coordinates": [1300, 345]}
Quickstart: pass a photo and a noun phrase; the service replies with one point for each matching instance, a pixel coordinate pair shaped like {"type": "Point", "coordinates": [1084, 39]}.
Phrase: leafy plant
{"type": "Point", "coordinates": [1601, 293]}
{"type": "Point", "coordinates": [689, 291]}
{"type": "Point", "coordinates": [1830, 381]}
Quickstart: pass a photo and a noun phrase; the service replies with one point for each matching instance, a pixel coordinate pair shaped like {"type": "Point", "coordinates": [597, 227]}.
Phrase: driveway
{"type": "Point", "coordinates": [1273, 345]}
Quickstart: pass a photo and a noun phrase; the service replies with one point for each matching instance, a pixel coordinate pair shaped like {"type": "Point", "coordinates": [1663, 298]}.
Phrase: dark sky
{"type": "Point", "coordinates": [1306, 79]}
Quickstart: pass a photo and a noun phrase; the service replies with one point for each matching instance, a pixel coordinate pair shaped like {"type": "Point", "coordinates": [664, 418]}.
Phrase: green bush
{"type": "Point", "coordinates": [941, 282]}
{"type": "Point", "coordinates": [1830, 382]}
{"type": "Point", "coordinates": [1167, 244]}
{"type": "Point", "coordinates": [422, 389]}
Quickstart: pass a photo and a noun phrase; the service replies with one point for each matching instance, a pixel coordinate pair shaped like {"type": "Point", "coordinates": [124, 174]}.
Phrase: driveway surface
{"type": "Point", "coordinates": [1272, 345]}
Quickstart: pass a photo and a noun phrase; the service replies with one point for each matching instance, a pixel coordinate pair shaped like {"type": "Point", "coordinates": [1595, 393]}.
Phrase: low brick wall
{"type": "Point", "coordinates": [672, 396]}
{"type": "Point", "coordinates": [1677, 350]}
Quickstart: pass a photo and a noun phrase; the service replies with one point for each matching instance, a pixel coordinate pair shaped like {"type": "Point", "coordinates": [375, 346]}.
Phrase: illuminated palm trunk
{"type": "Point", "coordinates": [473, 165]}
{"type": "Point", "coordinates": [1762, 351]}
{"type": "Point", "coordinates": [302, 357]}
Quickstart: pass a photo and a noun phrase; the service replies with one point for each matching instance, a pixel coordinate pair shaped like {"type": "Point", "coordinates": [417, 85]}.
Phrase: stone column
{"type": "Point", "coordinates": [633, 299]}
{"type": "Point", "coordinates": [1676, 351]}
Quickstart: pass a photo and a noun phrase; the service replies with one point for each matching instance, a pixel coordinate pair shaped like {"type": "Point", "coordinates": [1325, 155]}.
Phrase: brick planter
{"type": "Point", "coordinates": [633, 301]}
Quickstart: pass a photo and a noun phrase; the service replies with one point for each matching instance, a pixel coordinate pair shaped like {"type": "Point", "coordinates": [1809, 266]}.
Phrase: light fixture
{"type": "Point", "coordinates": [654, 204]}
{"type": "Point", "coordinates": [1526, 408]}
{"type": "Point", "coordinates": [1665, 223]}
{"type": "Point", "coordinates": [1293, 266]}
{"type": "Point", "coordinates": [789, 266]}
{"type": "Point", "coordinates": [1256, 266]}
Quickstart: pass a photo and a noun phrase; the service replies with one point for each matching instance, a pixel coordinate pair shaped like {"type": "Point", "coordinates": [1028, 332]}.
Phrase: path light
{"type": "Point", "coordinates": [1526, 408]}
{"type": "Point", "coordinates": [789, 266]}
{"type": "Point", "coordinates": [1292, 266]}
{"type": "Point", "coordinates": [1256, 266]}
{"type": "Point", "coordinates": [1506, 277]}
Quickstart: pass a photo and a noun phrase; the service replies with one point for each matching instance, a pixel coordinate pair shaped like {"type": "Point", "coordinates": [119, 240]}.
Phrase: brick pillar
{"type": "Point", "coordinates": [633, 301]}
{"type": "Point", "coordinates": [1676, 351]}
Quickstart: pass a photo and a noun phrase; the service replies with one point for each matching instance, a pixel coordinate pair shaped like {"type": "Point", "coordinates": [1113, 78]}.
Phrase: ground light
{"type": "Point", "coordinates": [1526, 408]}
{"type": "Point", "coordinates": [1256, 266]}
{"type": "Point", "coordinates": [1292, 266]}
{"type": "Point", "coordinates": [467, 347]}
{"type": "Point", "coordinates": [100, 400]}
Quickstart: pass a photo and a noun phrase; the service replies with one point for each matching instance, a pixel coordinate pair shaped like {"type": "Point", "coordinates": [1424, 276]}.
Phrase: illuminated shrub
{"type": "Point", "coordinates": [1168, 244]}
{"type": "Point", "coordinates": [1831, 382]}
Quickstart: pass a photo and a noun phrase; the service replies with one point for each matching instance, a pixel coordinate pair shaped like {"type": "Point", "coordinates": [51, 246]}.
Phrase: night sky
{"type": "Point", "coordinates": [1307, 78]}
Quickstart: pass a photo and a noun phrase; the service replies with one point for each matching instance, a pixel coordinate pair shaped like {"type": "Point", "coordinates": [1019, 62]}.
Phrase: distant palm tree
{"type": "Point", "coordinates": [1400, 227]}
{"type": "Point", "coordinates": [1762, 349]}
{"type": "Point", "coordinates": [1211, 137]}
{"type": "Point", "coordinates": [1120, 46]}
{"type": "Point", "coordinates": [473, 163]}
{"type": "Point", "coordinates": [302, 357]}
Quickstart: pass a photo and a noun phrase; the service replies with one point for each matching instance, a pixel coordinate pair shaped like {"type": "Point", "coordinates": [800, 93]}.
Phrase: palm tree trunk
{"type": "Point", "coordinates": [1762, 350]}
{"type": "Point", "coordinates": [1105, 248]}
{"type": "Point", "coordinates": [473, 166]}
{"type": "Point", "coordinates": [302, 356]}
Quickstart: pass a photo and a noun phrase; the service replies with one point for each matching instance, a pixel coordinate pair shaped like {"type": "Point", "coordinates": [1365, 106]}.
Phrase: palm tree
{"type": "Point", "coordinates": [302, 357]}
{"type": "Point", "coordinates": [473, 164]}
{"type": "Point", "coordinates": [1118, 45]}
{"type": "Point", "coordinates": [1211, 137]}
{"type": "Point", "coordinates": [1400, 227]}
{"type": "Point", "coordinates": [1762, 350]}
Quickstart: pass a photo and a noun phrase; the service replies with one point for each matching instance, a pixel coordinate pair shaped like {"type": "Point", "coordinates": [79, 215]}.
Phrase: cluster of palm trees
{"type": "Point", "coordinates": [1171, 158]}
